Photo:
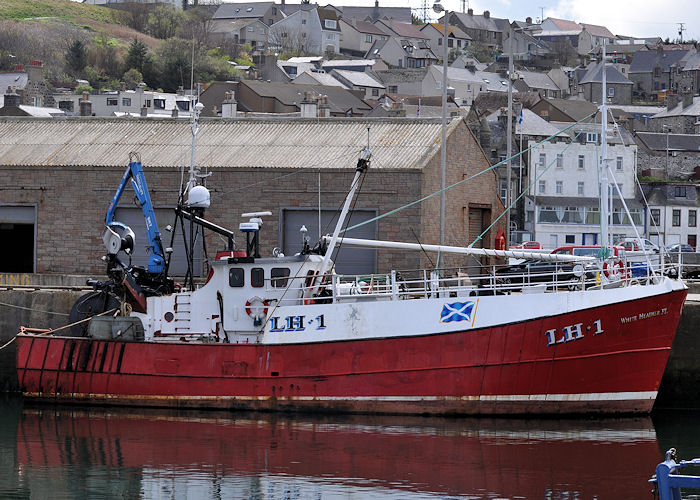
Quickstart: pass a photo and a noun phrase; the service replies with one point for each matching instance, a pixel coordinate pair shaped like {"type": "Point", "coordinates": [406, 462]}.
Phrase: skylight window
{"type": "Point", "coordinates": [249, 9]}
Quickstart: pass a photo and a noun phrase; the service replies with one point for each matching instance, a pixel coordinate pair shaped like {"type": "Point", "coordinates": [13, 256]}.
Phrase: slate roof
{"type": "Point", "coordinates": [12, 79]}
{"type": "Point", "coordinates": [241, 10]}
{"type": "Point", "coordinates": [339, 99]}
{"type": "Point", "coordinates": [574, 108]}
{"type": "Point", "coordinates": [477, 22]}
{"type": "Point", "coordinates": [406, 30]}
{"type": "Point", "coordinates": [536, 80]}
{"type": "Point", "coordinates": [330, 14]}
{"type": "Point", "coordinates": [238, 143]}
{"type": "Point", "coordinates": [363, 26]}
{"type": "Point", "coordinates": [358, 78]}
{"type": "Point", "coordinates": [679, 110]}
{"type": "Point", "coordinates": [596, 30]}
{"type": "Point", "coordinates": [595, 75]}
{"type": "Point", "coordinates": [644, 61]}
{"type": "Point", "coordinates": [451, 30]}
{"type": "Point", "coordinates": [676, 142]}
{"type": "Point", "coordinates": [321, 78]}
{"type": "Point", "coordinates": [534, 125]}
{"type": "Point", "coordinates": [401, 14]}
{"type": "Point", "coordinates": [402, 75]}
{"type": "Point", "coordinates": [565, 25]}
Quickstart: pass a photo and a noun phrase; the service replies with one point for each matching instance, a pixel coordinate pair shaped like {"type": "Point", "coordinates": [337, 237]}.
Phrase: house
{"type": "Point", "coordinates": [295, 66]}
{"type": "Point", "coordinates": [283, 98]}
{"type": "Point", "coordinates": [358, 36]}
{"type": "Point", "coordinates": [241, 31]}
{"type": "Point", "coordinates": [527, 49]}
{"type": "Point", "coordinates": [688, 79]}
{"type": "Point", "coordinates": [672, 214]}
{"type": "Point", "coordinates": [306, 169]}
{"type": "Point", "coordinates": [412, 106]}
{"type": "Point", "coordinates": [361, 65]}
{"type": "Point", "coordinates": [533, 81]}
{"type": "Point", "coordinates": [668, 156]}
{"type": "Point", "coordinates": [123, 102]}
{"type": "Point", "coordinates": [364, 82]}
{"type": "Point", "coordinates": [32, 87]}
{"type": "Point", "coordinates": [650, 70]}
{"type": "Point", "coordinates": [456, 38]}
{"type": "Point", "coordinates": [681, 116]}
{"type": "Point", "coordinates": [403, 31]}
{"type": "Point", "coordinates": [564, 192]}
{"type": "Point", "coordinates": [618, 88]}
{"type": "Point", "coordinates": [402, 53]}
{"type": "Point", "coordinates": [266, 12]}
{"type": "Point", "coordinates": [405, 81]}
{"type": "Point", "coordinates": [466, 62]}
{"type": "Point", "coordinates": [564, 110]}
{"type": "Point", "coordinates": [313, 31]}
{"type": "Point", "coordinates": [11, 106]}
{"type": "Point", "coordinates": [465, 85]}
{"type": "Point", "coordinates": [586, 38]}
{"type": "Point", "coordinates": [481, 28]}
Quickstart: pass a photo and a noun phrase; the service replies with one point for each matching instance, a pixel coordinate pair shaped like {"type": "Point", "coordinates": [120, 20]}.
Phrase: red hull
{"type": "Point", "coordinates": [500, 370]}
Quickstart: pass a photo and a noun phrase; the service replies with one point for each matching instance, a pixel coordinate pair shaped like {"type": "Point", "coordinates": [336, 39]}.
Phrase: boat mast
{"type": "Point", "coordinates": [362, 165]}
{"type": "Point", "coordinates": [603, 161]}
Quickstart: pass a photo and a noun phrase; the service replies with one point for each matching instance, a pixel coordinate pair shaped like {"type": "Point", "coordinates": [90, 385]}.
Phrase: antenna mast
{"type": "Point", "coordinates": [681, 29]}
{"type": "Point", "coordinates": [604, 185]}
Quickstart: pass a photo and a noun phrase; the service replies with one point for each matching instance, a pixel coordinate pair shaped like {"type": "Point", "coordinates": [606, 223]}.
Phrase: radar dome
{"type": "Point", "coordinates": [198, 197]}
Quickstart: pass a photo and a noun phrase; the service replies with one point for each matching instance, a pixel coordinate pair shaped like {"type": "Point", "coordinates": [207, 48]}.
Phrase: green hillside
{"type": "Point", "coordinates": [63, 9]}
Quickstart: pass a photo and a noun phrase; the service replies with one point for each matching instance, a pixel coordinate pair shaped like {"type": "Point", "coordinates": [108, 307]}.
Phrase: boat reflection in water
{"type": "Point", "coordinates": [162, 454]}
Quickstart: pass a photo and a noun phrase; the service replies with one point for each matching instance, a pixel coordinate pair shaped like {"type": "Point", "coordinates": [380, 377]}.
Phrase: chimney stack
{"type": "Point", "coordinates": [35, 71]}
{"type": "Point", "coordinates": [229, 106]}
{"type": "Point", "coordinates": [85, 105]}
{"type": "Point", "coordinates": [324, 109]}
{"type": "Point", "coordinates": [528, 20]}
{"type": "Point", "coordinates": [687, 98]}
{"type": "Point", "coordinates": [11, 99]}
{"type": "Point", "coordinates": [144, 111]}
{"type": "Point", "coordinates": [470, 12]}
{"type": "Point", "coordinates": [487, 14]}
{"type": "Point", "coordinates": [672, 101]}
{"type": "Point", "coordinates": [309, 106]}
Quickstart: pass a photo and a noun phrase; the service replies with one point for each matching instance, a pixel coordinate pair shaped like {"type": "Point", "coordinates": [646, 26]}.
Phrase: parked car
{"type": "Point", "coordinates": [680, 247]}
{"type": "Point", "coordinates": [527, 245]}
{"type": "Point", "coordinates": [589, 250]}
{"type": "Point", "coordinates": [532, 271]}
{"type": "Point", "coordinates": [632, 245]}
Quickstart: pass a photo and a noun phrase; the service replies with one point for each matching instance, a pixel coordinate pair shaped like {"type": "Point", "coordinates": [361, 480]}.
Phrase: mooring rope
{"type": "Point", "coordinates": [31, 309]}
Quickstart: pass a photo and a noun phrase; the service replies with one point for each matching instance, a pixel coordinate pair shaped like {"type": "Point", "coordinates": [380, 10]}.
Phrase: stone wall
{"type": "Point", "coordinates": [680, 166]}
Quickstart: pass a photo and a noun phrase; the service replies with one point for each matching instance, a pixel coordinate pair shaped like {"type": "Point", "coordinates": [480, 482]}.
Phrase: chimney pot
{"type": "Point", "coordinates": [144, 111]}
{"type": "Point", "coordinates": [528, 20]}
{"type": "Point", "coordinates": [470, 12]}
{"type": "Point", "coordinates": [174, 113]}
{"type": "Point", "coordinates": [487, 14]}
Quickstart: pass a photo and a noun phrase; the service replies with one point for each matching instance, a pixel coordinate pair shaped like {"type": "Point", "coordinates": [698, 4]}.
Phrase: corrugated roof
{"type": "Point", "coordinates": [243, 143]}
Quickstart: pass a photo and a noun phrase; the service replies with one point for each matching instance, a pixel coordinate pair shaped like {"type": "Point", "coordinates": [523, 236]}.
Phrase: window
{"type": "Point", "coordinates": [251, 28]}
{"type": "Point", "coordinates": [591, 137]}
{"type": "Point", "coordinates": [330, 36]}
{"type": "Point", "coordinates": [330, 23]}
{"type": "Point", "coordinates": [611, 91]}
{"type": "Point", "coordinates": [439, 42]}
{"type": "Point", "coordinates": [572, 215]}
{"type": "Point", "coordinates": [183, 105]}
{"type": "Point", "coordinates": [579, 190]}
{"type": "Point", "coordinates": [303, 35]}
{"type": "Point", "coordinates": [368, 38]}
{"type": "Point", "coordinates": [375, 92]}
{"type": "Point", "coordinates": [279, 277]}
{"type": "Point", "coordinates": [112, 101]}
{"type": "Point", "coordinates": [543, 159]}
{"type": "Point", "coordinates": [656, 216]}
{"type": "Point", "coordinates": [680, 192]}
{"type": "Point", "coordinates": [676, 218]}
{"type": "Point", "coordinates": [618, 163]}
{"type": "Point", "coordinates": [581, 162]}
{"type": "Point", "coordinates": [560, 187]}
{"type": "Point", "coordinates": [257, 277]}
{"type": "Point", "coordinates": [147, 103]}
{"type": "Point", "coordinates": [126, 101]}
{"type": "Point", "coordinates": [450, 42]}
{"type": "Point", "coordinates": [560, 160]}
{"type": "Point", "coordinates": [692, 240]}
{"type": "Point", "coordinates": [303, 21]}
{"type": "Point", "coordinates": [469, 87]}
{"type": "Point", "coordinates": [159, 103]}
{"type": "Point", "coordinates": [592, 215]}
{"type": "Point", "coordinates": [274, 11]}
{"type": "Point", "coordinates": [236, 277]}
{"type": "Point", "coordinates": [542, 187]}
{"type": "Point", "coordinates": [393, 89]}
{"type": "Point", "coordinates": [692, 218]}
{"type": "Point", "coordinates": [570, 239]}
{"type": "Point", "coordinates": [502, 189]}
{"type": "Point", "coordinates": [548, 214]}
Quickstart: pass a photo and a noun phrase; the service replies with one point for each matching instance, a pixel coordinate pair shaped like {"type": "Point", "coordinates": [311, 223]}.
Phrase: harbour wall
{"type": "Point", "coordinates": [680, 387]}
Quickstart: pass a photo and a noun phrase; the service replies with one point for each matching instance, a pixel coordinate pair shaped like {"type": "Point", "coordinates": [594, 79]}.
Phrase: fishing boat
{"type": "Point", "coordinates": [279, 332]}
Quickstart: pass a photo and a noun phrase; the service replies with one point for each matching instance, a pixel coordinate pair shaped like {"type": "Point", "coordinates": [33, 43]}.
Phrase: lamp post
{"type": "Point", "coordinates": [438, 8]}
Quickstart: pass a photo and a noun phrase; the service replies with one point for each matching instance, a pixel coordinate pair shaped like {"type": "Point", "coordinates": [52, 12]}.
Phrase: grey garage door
{"type": "Point", "coordinates": [133, 217]}
{"type": "Point", "coordinates": [17, 229]}
{"type": "Point", "coordinates": [350, 260]}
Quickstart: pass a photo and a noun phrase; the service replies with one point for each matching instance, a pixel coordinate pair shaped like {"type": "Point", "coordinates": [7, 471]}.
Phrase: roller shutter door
{"type": "Point", "coordinates": [350, 260]}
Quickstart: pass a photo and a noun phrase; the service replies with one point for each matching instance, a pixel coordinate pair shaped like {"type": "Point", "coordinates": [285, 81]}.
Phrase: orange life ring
{"type": "Point", "coordinates": [256, 307]}
{"type": "Point", "coordinates": [309, 301]}
{"type": "Point", "coordinates": [614, 270]}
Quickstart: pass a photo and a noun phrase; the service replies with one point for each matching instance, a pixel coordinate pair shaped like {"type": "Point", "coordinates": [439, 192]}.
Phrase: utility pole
{"type": "Point", "coordinates": [681, 29]}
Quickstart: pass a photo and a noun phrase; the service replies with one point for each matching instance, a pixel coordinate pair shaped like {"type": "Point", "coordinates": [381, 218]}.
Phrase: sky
{"type": "Point", "coordinates": [641, 18]}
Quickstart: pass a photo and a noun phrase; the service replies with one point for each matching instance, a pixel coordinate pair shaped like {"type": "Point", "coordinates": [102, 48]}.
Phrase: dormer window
{"type": "Point", "coordinates": [330, 23]}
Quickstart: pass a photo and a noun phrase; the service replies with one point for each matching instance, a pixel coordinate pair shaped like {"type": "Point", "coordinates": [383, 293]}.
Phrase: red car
{"type": "Point", "coordinates": [528, 245]}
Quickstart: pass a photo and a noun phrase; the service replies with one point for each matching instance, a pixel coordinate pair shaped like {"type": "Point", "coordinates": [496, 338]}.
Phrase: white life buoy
{"type": "Point", "coordinates": [256, 308]}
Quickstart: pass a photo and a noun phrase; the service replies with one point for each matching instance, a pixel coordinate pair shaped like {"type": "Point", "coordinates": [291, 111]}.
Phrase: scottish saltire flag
{"type": "Point", "coordinates": [457, 311]}
{"type": "Point", "coordinates": [520, 118]}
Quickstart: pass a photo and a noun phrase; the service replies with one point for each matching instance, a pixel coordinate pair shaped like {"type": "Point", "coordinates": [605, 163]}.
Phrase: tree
{"type": "Point", "coordinates": [479, 51]}
{"type": "Point", "coordinates": [132, 78]}
{"type": "Point", "coordinates": [197, 25]}
{"type": "Point", "coordinates": [289, 40]}
{"type": "Point", "coordinates": [416, 20]}
{"type": "Point", "coordinates": [137, 55]}
{"type": "Point", "coordinates": [164, 21]}
{"type": "Point", "coordinates": [76, 57]}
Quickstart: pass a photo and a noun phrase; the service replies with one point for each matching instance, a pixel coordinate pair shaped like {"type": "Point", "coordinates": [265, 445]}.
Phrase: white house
{"type": "Point", "coordinates": [672, 215]}
{"type": "Point", "coordinates": [356, 80]}
{"type": "Point", "coordinates": [315, 31]}
{"type": "Point", "coordinates": [563, 206]}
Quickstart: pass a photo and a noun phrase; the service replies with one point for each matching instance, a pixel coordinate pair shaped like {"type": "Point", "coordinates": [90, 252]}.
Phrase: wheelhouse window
{"type": "Point", "coordinates": [236, 277]}
{"type": "Point", "coordinates": [257, 277]}
{"type": "Point", "coordinates": [279, 276]}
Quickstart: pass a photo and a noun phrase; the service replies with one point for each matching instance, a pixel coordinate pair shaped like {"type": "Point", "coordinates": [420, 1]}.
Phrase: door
{"type": "Point", "coordinates": [553, 241]}
{"type": "Point", "coordinates": [347, 260]}
{"type": "Point", "coordinates": [479, 220]}
{"type": "Point", "coordinates": [17, 235]}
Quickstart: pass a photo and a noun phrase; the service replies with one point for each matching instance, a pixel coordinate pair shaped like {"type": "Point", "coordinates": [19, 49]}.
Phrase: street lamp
{"type": "Point", "coordinates": [667, 128]}
{"type": "Point", "coordinates": [438, 8]}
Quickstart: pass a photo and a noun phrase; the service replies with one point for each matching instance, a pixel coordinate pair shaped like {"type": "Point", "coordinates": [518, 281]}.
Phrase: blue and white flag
{"type": "Point", "coordinates": [457, 311]}
{"type": "Point", "coordinates": [520, 118]}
